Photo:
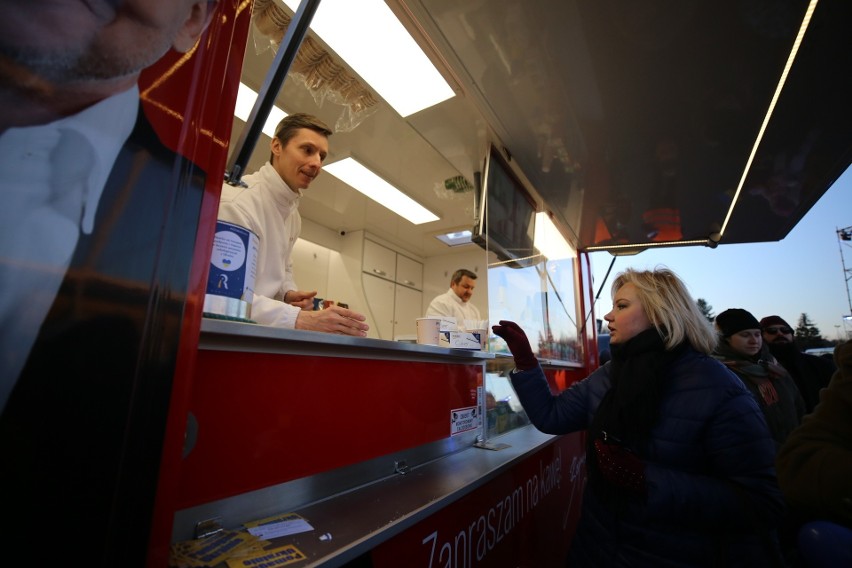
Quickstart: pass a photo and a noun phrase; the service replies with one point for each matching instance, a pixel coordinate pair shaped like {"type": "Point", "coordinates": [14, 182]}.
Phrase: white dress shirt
{"type": "Point", "coordinates": [51, 180]}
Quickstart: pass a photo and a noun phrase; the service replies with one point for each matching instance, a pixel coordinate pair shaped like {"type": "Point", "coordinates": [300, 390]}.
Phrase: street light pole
{"type": "Point", "coordinates": [845, 235]}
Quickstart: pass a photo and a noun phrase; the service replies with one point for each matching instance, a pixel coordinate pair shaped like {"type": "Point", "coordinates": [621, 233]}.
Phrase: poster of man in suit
{"type": "Point", "coordinates": [97, 235]}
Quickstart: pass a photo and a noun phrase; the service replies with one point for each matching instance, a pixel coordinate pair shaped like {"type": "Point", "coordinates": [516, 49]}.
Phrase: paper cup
{"type": "Point", "coordinates": [427, 330]}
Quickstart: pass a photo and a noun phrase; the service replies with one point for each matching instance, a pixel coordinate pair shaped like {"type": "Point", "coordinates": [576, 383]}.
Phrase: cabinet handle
{"type": "Point", "coordinates": [380, 272]}
{"type": "Point", "coordinates": [408, 282]}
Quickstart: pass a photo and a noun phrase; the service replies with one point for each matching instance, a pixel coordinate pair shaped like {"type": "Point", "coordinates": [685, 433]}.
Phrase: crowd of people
{"type": "Point", "coordinates": [707, 443]}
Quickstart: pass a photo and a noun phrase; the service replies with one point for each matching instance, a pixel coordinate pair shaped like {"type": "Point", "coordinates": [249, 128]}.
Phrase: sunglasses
{"type": "Point", "coordinates": [776, 330]}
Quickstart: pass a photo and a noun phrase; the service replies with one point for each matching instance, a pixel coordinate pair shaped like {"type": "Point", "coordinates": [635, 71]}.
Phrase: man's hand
{"type": "Point", "coordinates": [333, 319]}
{"type": "Point", "coordinates": [300, 299]}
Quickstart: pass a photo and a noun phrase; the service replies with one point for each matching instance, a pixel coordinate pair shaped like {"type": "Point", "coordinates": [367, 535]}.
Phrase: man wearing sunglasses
{"type": "Point", "coordinates": [811, 373]}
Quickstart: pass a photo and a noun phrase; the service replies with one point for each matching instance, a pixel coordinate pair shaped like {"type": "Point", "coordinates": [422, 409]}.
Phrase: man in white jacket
{"type": "Point", "coordinates": [269, 207]}
{"type": "Point", "coordinates": [455, 302]}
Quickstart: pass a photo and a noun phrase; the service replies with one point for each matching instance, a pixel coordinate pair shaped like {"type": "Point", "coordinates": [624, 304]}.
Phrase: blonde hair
{"type": "Point", "coordinates": [670, 308]}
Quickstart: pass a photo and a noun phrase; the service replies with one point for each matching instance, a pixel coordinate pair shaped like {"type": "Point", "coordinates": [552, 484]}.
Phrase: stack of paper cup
{"type": "Point", "coordinates": [427, 330]}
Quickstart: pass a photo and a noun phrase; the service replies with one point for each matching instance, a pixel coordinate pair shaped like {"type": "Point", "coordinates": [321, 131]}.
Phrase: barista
{"type": "Point", "coordinates": [269, 207]}
{"type": "Point", "coordinates": [455, 302]}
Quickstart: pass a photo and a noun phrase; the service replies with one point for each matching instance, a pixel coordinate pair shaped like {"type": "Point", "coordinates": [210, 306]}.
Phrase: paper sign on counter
{"type": "Point", "coordinates": [278, 525]}
{"type": "Point", "coordinates": [463, 420]}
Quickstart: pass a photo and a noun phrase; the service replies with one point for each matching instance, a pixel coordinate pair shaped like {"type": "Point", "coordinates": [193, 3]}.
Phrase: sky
{"type": "Point", "coordinates": [803, 273]}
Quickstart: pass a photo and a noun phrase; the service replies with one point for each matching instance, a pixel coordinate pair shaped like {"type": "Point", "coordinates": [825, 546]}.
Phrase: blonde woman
{"type": "Point", "coordinates": [678, 455]}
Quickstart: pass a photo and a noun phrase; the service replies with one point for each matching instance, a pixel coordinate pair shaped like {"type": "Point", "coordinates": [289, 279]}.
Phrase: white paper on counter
{"type": "Point", "coordinates": [281, 525]}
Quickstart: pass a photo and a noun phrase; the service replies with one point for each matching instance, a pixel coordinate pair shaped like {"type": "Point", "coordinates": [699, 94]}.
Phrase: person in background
{"type": "Point", "coordinates": [678, 456]}
{"type": "Point", "coordinates": [815, 469]}
{"type": "Point", "coordinates": [269, 207]}
{"type": "Point", "coordinates": [741, 349]}
{"type": "Point", "coordinates": [455, 302]}
{"type": "Point", "coordinates": [809, 372]}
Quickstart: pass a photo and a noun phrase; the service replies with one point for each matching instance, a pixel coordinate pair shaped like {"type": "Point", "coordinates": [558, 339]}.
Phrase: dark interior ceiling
{"type": "Point", "coordinates": [632, 122]}
{"type": "Point", "coordinates": [650, 110]}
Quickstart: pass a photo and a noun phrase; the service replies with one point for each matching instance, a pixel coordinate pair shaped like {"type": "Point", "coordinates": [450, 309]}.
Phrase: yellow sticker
{"type": "Point", "coordinates": [281, 556]}
{"type": "Point", "coordinates": [214, 549]}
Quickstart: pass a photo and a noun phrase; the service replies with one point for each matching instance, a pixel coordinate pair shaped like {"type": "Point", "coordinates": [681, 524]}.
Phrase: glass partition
{"type": "Point", "coordinates": [541, 298]}
{"type": "Point", "coordinates": [503, 410]}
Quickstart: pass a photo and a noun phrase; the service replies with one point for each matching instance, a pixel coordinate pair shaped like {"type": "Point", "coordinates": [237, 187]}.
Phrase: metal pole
{"type": "Point", "coordinates": [271, 87]}
{"type": "Point", "coordinates": [845, 234]}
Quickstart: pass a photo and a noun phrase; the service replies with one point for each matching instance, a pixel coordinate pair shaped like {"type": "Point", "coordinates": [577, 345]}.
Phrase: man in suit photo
{"type": "Point", "coordinates": [97, 235]}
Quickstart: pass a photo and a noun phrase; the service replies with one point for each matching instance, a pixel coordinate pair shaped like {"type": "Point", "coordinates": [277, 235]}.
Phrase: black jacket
{"type": "Point", "coordinates": [810, 373]}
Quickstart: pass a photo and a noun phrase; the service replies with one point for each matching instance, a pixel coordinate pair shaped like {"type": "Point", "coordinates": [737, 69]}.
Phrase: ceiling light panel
{"type": "Point", "coordinates": [358, 176]}
{"type": "Point", "coordinates": [373, 42]}
{"type": "Point", "coordinates": [246, 98]}
{"type": "Point", "coordinates": [549, 241]}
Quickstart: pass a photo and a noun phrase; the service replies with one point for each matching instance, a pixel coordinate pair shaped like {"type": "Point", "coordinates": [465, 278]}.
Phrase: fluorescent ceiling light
{"type": "Point", "coordinates": [245, 102]}
{"type": "Point", "coordinates": [548, 240]}
{"type": "Point", "coordinates": [372, 41]}
{"type": "Point", "coordinates": [354, 174]}
{"type": "Point", "coordinates": [455, 239]}
{"type": "Point", "coordinates": [778, 88]}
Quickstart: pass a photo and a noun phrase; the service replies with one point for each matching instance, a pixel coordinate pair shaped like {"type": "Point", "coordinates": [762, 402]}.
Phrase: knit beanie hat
{"type": "Point", "coordinates": [734, 320]}
{"type": "Point", "coordinates": [769, 321]}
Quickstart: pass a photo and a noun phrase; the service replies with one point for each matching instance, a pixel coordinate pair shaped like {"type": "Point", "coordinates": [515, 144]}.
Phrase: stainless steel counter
{"type": "Point", "coordinates": [236, 336]}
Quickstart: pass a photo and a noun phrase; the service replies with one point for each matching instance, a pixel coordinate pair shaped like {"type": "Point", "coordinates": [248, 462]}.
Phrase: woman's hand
{"type": "Point", "coordinates": [518, 344]}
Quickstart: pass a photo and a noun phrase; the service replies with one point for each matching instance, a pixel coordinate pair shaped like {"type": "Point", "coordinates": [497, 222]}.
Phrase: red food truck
{"type": "Point", "coordinates": [140, 427]}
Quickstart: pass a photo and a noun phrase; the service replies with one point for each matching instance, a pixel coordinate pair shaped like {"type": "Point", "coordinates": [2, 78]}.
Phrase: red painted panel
{"type": "Point", "coordinates": [525, 518]}
{"type": "Point", "coordinates": [264, 419]}
{"type": "Point", "coordinates": [560, 378]}
{"type": "Point", "coordinates": [185, 97]}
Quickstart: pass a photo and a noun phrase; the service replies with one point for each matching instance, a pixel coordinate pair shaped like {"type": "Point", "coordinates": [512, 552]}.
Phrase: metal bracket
{"type": "Point", "coordinates": [209, 527]}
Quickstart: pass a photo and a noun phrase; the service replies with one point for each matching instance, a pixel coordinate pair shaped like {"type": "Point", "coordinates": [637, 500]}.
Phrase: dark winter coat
{"type": "Point", "coordinates": [815, 464]}
{"type": "Point", "coordinates": [709, 471]}
{"type": "Point", "coordinates": [810, 373]}
{"type": "Point", "coordinates": [772, 386]}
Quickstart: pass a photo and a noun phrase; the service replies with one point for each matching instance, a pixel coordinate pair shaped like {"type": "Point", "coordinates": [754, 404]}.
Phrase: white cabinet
{"type": "Point", "coordinates": [380, 297]}
{"type": "Point", "coordinates": [407, 308]}
{"type": "Point", "coordinates": [394, 308]}
{"type": "Point", "coordinates": [388, 264]}
{"type": "Point", "coordinates": [379, 261]}
{"type": "Point", "coordinates": [409, 272]}
{"type": "Point", "coordinates": [392, 287]}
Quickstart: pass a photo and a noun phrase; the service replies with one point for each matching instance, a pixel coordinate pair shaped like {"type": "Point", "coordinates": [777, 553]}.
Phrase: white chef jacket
{"type": "Point", "coordinates": [270, 209]}
{"type": "Point", "coordinates": [450, 305]}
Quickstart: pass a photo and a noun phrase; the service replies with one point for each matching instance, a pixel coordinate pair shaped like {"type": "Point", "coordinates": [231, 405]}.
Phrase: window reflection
{"type": "Point", "coordinates": [503, 410]}
{"type": "Point", "coordinates": [541, 299]}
